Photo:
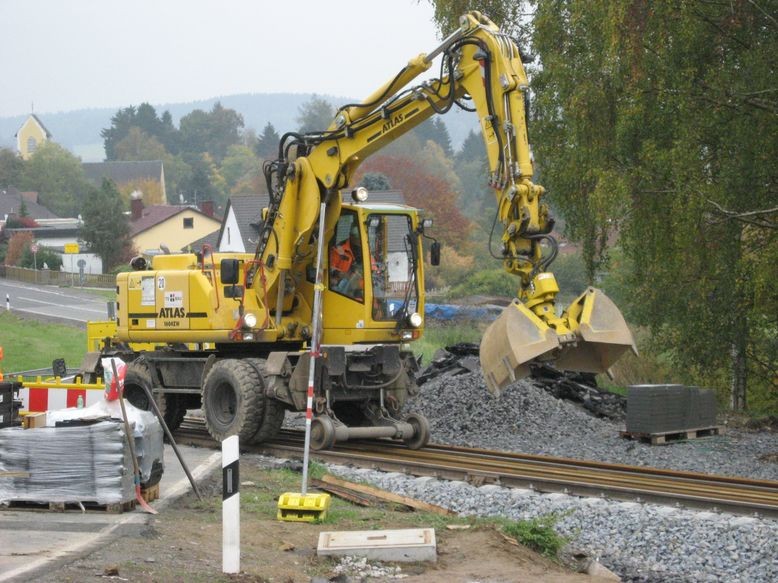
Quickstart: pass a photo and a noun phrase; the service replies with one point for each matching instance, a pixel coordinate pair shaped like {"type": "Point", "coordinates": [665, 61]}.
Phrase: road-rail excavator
{"type": "Point", "coordinates": [231, 332]}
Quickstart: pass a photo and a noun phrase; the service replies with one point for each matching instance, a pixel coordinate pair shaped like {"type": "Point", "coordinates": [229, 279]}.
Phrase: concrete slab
{"type": "Point", "coordinates": [31, 540]}
{"type": "Point", "coordinates": [405, 545]}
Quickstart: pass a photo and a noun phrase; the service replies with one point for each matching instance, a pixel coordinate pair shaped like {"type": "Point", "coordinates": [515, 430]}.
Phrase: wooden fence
{"type": "Point", "coordinates": [60, 278]}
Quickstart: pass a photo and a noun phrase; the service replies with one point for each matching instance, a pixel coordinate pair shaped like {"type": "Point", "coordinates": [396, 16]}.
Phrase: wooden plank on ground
{"type": "Point", "coordinates": [345, 493]}
{"type": "Point", "coordinates": [6, 474]}
{"type": "Point", "coordinates": [387, 496]}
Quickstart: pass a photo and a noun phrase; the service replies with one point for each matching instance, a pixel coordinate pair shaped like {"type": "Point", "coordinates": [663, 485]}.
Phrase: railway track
{"type": "Point", "coordinates": [540, 473]}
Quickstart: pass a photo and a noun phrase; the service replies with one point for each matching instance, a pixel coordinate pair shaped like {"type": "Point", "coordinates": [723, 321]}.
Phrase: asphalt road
{"type": "Point", "coordinates": [68, 304]}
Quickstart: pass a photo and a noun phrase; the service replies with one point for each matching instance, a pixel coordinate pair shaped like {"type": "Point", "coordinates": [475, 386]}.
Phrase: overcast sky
{"type": "Point", "coordinates": [62, 55]}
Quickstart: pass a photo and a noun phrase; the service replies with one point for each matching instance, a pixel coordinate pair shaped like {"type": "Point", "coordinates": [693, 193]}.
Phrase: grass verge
{"type": "Point", "coordinates": [30, 344]}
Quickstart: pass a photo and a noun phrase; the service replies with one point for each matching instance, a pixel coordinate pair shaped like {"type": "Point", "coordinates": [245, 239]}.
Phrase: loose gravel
{"type": "Point", "coordinates": [526, 419]}
{"type": "Point", "coordinates": [639, 542]}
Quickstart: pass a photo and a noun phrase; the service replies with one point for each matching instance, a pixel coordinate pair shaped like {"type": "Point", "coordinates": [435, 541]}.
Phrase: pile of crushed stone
{"type": "Point", "coordinates": [526, 418]}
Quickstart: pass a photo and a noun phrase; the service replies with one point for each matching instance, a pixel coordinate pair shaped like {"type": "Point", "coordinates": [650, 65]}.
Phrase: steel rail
{"type": "Point", "coordinates": [541, 473]}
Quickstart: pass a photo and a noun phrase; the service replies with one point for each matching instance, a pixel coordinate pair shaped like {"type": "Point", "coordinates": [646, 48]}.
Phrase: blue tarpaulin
{"type": "Point", "coordinates": [454, 312]}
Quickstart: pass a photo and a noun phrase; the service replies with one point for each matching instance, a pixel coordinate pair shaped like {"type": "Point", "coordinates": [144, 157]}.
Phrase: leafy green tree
{"type": "Point", "coordinates": [58, 177]}
{"type": "Point", "coordinates": [144, 117]}
{"type": "Point", "coordinates": [315, 115]}
{"type": "Point", "coordinates": [213, 132]}
{"type": "Point", "coordinates": [509, 14]}
{"type": "Point", "coordinates": [106, 228]}
{"type": "Point", "coordinates": [239, 162]}
{"type": "Point", "coordinates": [375, 181]}
{"type": "Point", "coordinates": [45, 258]}
{"type": "Point", "coordinates": [267, 143]}
{"type": "Point", "coordinates": [658, 122]}
{"type": "Point", "coordinates": [11, 168]}
{"type": "Point", "coordinates": [138, 145]}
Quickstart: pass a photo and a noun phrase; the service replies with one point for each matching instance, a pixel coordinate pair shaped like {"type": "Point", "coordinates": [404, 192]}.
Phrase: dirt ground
{"type": "Point", "coordinates": [183, 543]}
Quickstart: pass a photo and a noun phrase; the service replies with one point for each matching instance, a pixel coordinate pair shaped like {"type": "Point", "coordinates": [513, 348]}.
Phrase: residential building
{"type": "Point", "coordinates": [174, 227]}
{"type": "Point", "coordinates": [13, 202]}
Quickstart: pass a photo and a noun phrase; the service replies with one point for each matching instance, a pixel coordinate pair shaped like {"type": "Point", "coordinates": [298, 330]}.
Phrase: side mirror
{"type": "Point", "coordinates": [230, 271]}
{"type": "Point", "coordinates": [435, 253]}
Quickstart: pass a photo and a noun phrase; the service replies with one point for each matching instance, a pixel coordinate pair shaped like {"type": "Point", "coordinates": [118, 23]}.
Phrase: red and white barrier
{"type": "Point", "coordinates": [48, 396]}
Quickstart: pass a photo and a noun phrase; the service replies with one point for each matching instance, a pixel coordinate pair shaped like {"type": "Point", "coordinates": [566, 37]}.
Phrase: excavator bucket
{"type": "Point", "coordinates": [517, 338]}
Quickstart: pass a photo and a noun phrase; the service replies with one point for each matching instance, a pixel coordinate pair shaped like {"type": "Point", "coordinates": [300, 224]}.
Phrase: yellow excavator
{"type": "Point", "coordinates": [231, 332]}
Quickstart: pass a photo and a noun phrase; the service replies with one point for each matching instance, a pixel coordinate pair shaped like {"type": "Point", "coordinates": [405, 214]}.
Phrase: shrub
{"type": "Point", "coordinates": [538, 534]}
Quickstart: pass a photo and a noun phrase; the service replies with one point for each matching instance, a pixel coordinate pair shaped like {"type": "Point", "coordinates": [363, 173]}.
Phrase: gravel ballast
{"type": "Point", "coordinates": [639, 542]}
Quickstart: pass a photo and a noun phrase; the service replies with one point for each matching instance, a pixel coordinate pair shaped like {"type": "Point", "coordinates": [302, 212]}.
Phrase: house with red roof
{"type": "Point", "coordinates": [174, 227]}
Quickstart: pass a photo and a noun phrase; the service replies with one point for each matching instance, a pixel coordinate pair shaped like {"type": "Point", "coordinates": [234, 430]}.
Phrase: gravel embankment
{"type": "Point", "coordinates": [527, 419]}
{"type": "Point", "coordinates": [639, 542]}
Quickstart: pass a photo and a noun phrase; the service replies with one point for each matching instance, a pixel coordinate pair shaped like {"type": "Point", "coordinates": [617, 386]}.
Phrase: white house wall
{"type": "Point", "coordinates": [230, 236]}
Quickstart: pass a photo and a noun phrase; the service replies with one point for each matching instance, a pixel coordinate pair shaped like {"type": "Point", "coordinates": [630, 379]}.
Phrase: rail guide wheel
{"type": "Point", "coordinates": [421, 431]}
{"type": "Point", "coordinates": [322, 432]}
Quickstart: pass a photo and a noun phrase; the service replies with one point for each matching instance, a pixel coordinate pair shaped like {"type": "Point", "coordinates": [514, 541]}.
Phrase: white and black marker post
{"type": "Point", "coordinates": [7, 303]}
{"type": "Point", "coordinates": [230, 505]}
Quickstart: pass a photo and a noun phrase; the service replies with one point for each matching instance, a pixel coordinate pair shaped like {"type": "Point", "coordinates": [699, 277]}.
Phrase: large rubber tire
{"type": "Point", "coordinates": [139, 376]}
{"type": "Point", "coordinates": [271, 411]}
{"type": "Point", "coordinates": [421, 431]}
{"type": "Point", "coordinates": [232, 400]}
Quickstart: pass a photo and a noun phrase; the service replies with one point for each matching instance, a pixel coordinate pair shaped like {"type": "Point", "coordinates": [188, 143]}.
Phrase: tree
{"type": "Point", "coordinates": [472, 148]}
{"type": "Point", "coordinates": [16, 246]}
{"type": "Point", "coordinates": [434, 129]}
{"type": "Point", "coordinates": [11, 168]}
{"type": "Point", "coordinates": [58, 177]}
{"type": "Point", "coordinates": [375, 181]}
{"type": "Point", "coordinates": [508, 14]}
{"type": "Point", "coordinates": [44, 258]}
{"type": "Point", "coordinates": [267, 143]}
{"type": "Point", "coordinates": [315, 115]}
{"type": "Point", "coordinates": [138, 145]}
{"type": "Point", "coordinates": [239, 162]}
{"type": "Point", "coordinates": [423, 190]}
{"type": "Point", "coordinates": [144, 118]}
{"type": "Point", "coordinates": [212, 132]}
{"type": "Point", "coordinates": [649, 118]}
{"type": "Point", "coordinates": [106, 228]}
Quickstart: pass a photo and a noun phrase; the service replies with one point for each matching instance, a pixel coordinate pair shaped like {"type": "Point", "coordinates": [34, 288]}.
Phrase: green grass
{"type": "Point", "coordinates": [441, 335]}
{"type": "Point", "coordinates": [29, 344]}
{"type": "Point", "coordinates": [538, 534]}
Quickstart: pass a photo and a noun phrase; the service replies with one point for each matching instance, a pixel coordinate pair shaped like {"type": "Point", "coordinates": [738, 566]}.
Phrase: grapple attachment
{"type": "Point", "coordinates": [589, 337]}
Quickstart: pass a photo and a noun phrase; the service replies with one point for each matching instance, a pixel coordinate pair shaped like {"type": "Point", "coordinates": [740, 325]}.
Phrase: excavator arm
{"type": "Point", "coordinates": [481, 70]}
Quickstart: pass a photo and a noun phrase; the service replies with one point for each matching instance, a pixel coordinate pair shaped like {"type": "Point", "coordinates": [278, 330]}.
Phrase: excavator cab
{"type": "Point", "coordinates": [375, 274]}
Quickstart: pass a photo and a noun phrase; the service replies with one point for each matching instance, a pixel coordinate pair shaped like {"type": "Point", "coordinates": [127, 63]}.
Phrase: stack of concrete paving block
{"type": "Point", "coordinates": [86, 463]}
{"type": "Point", "coordinates": [666, 408]}
{"type": "Point", "coordinates": [9, 403]}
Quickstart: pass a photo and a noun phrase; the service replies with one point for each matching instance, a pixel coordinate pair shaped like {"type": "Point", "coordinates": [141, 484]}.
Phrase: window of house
{"type": "Point", "coordinates": [32, 144]}
{"type": "Point", "coordinates": [189, 222]}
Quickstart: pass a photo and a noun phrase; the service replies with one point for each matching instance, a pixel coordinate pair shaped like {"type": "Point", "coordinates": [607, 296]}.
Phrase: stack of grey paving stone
{"type": "Point", "coordinates": [653, 409]}
{"type": "Point", "coordinates": [84, 463]}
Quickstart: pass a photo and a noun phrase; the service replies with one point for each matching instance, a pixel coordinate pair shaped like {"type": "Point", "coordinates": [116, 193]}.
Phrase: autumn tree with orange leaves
{"type": "Point", "coordinates": [426, 191]}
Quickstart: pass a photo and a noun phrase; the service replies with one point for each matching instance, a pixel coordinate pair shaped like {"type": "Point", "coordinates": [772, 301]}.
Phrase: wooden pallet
{"type": "Point", "coordinates": [35, 505]}
{"type": "Point", "coordinates": [663, 438]}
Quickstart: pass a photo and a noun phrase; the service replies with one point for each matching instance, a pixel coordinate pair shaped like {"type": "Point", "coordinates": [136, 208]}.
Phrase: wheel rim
{"type": "Point", "coordinates": [224, 404]}
{"type": "Point", "coordinates": [421, 432]}
{"type": "Point", "coordinates": [322, 433]}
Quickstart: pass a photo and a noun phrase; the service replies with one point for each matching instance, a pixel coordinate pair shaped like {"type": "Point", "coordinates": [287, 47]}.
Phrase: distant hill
{"type": "Point", "coordinates": [79, 131]}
